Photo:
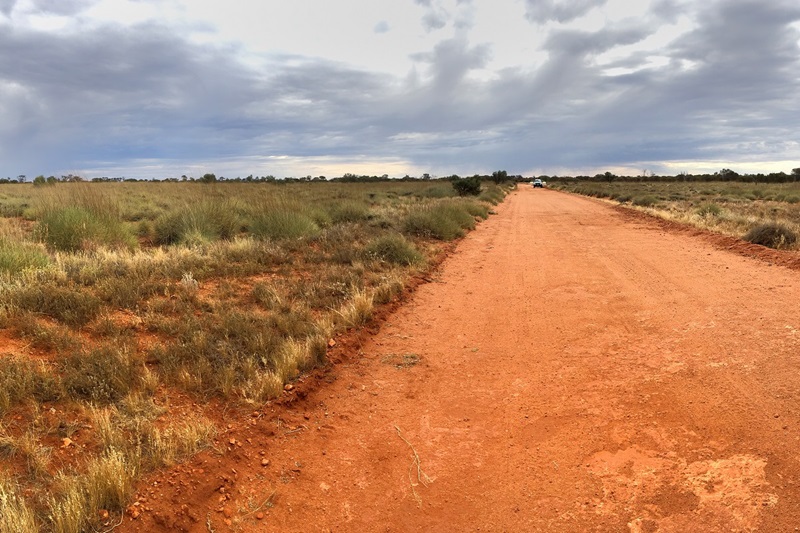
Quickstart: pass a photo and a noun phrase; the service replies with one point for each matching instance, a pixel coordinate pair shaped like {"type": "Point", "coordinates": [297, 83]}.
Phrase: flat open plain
{"type": "Point", "coordinates": [569, 368]}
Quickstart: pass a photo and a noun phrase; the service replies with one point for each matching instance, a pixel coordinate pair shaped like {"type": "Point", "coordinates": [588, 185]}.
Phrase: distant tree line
{"type": "Point", "coordinates": [725, 174]}
{"type": "Point", "coordinates": [497, 176]}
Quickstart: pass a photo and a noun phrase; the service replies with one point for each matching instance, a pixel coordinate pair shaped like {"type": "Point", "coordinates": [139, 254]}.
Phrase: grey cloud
{"type": "Point", "coordinates": [580, 43]}
{"type": "Point", "coordinates": [543, 11]}
{"type": "Point", "coordinates": [63, 7]}
{"type": "Point", "coordinates": [670, 10]}
{"type": "Point", "coordinates": [381, 27]}
{"type": "Point", "coordinates": [451, 60]}
{"type": "Point", "coordinates": [6, 6]}
{"type": "Point", "coordinates": [434, 20]}
{"type": "Point", "coordinates": [113, 91]}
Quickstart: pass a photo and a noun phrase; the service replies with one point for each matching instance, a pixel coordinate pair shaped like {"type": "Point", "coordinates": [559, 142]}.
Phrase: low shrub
{"type": "Point", "coordinates": [622, 198]}
{"type": "Point", "coordinates": [437, 191]}
{"type": "Point", "coordinates": [76, 228]}
{"type": "Point", "coordinates": [394, 248]}
{"type": "Point", "coordinates": [476, 209]}
{"type": "Point", "coordinates": [772, 235]}
{"type": "Point", "coordinates": [467, 186]}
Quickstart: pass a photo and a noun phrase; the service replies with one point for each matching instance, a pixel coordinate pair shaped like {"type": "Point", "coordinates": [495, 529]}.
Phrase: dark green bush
{"type": "Point", "coordinates": [467, 186]}
{"type": "Point", "coordinates": [772, 235]}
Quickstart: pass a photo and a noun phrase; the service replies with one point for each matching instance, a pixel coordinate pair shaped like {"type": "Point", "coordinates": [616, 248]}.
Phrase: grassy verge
{"type": "Point", "coordinates": [767, 214]}
{"type": "Point", "coordinates": [124, 304]}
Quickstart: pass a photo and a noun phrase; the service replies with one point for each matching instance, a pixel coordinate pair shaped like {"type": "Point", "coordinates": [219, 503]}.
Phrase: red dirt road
{"type": "Point", "coordinates": [579, 369]}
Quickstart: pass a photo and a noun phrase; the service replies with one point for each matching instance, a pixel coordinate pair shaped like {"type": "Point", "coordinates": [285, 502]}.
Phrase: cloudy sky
{"type": "Point", "coordinates": [161, 88]}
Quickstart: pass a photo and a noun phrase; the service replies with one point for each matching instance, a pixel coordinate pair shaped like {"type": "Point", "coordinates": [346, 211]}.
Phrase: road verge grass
{"type": "Point", "coordinates": [762, 213]}
{"type": "Point", "coordinates": [209, 295]}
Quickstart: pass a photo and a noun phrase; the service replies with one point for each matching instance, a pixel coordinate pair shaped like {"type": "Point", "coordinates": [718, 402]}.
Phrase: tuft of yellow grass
{"type": "Point", "coordinates": [15, 513]}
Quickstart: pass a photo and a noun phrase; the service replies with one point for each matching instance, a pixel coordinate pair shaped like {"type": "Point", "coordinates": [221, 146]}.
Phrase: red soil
{"type": "Point", "coordinates": [571, 367]}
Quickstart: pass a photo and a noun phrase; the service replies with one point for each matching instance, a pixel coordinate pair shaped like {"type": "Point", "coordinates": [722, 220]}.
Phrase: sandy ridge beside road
{"type": "Point", "coordinates": [570, 368]}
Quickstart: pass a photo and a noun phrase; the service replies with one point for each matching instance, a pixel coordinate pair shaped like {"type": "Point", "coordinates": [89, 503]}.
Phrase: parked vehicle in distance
{"type": "Point", "coordinates": [538, 183]}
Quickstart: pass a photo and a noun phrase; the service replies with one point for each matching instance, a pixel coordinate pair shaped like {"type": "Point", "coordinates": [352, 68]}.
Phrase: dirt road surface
{"type": "Point", "coordinates": [570, 368]}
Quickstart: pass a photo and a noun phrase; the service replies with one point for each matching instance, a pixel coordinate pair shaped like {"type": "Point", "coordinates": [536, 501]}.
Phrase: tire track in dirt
{"type": "Point", "coordinates": [570, 368]}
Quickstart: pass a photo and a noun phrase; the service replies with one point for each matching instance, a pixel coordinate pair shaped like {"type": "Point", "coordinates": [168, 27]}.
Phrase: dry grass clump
{"type": "Point", "coordinates": [106, 485]}
{"type": "Point", "coordinates": [26, 447]}
{"type": "Point", "coordinates": [15, 514]}
{"type": "Point", "coordinates": [105, 374]}
{"type": "Point", "coordinates": [358, 309]}
{"type": "Point", "coordinates": [23, 379]}
{"type": "Point", "coordinates": [69, 305]}
{"type": "Point", "coordinates": [772, 235]}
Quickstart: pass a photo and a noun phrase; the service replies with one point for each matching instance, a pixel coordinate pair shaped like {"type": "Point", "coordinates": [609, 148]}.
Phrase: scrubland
{"type": "Point", "coordinates": [132, 313]}
{"type": "Point", "coordinates": [762, 213]}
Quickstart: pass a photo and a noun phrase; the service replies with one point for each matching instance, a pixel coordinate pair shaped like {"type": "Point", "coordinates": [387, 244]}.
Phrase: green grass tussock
{"type": "Point", "coordinates": [16, 255]}
{"type": "Point", "coordinates": [283, 223]}
{"type": "Point", "coordinates": [394, 248]}
{"type": "Point", "coordinates": [84, 219]}
{"type": "Point", "coordinates": [200, 223]}
{"type": "Point", "coordinates": [444, 219]}
{"type": "Point", "coordinates": [348, 211]}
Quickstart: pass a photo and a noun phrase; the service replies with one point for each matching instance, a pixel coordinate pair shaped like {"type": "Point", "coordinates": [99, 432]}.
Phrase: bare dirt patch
{"type": "Point", "coordinates": [580, 369]}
